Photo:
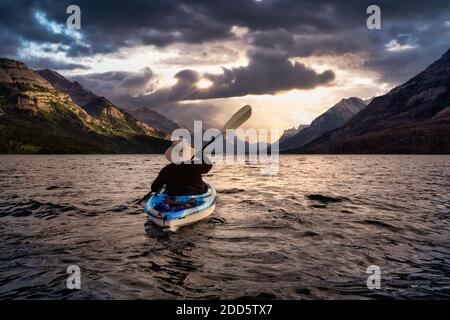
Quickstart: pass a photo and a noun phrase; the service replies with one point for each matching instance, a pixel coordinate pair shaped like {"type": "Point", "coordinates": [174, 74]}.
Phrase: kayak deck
{"type": "Point", "coordinates": [201, 206]}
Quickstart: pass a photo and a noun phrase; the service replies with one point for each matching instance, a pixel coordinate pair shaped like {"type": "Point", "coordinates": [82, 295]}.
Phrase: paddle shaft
{"type": "Point", "coordinates": [233, 123]}
{"type": "Point", "coordinates": [204, 147]}
{"type": "Point", "coordinates": [145, 197]}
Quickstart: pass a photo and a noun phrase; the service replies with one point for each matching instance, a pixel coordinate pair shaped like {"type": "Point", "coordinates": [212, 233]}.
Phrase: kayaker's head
{"type": "Point", "coordinates": [180, 151]}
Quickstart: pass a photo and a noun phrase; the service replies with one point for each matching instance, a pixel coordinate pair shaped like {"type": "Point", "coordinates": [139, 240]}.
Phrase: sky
{"type": "Point", "coordinates": [291, 60]}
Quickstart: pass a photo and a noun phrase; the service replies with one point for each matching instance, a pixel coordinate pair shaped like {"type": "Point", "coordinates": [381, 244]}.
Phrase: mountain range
{"type": "Point", "coordinates": [335, 117]}
{"type": "Point", "coordinates": [411, 118]}
{"type": "Point", "coordinates": [42, 112]}
{"type": "Point", "coordinates": [292, 132]}
{"type": "Point", "coordinates": [106, 111]}
{"type": "Point", "coordinates": [155, 119]}
{"type": "Point", "coordinates": [95, 105]}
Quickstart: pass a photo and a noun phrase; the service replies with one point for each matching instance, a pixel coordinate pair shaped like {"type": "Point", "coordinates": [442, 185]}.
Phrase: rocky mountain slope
{"type": "Point", "coordinates": [292, 132]}
{"type": "Point", "coordinates": [101, 108]}
{"type": "Point", "coordinates": [412, 118]}
{"type": "Point", "coordinates": [35, 117]}
{"type": "Point", "coordinates": [155, 119]}
{"type": "Point", "coordinates": [80, 95]}
{"type": "Point", "coordinates": [335, 117]}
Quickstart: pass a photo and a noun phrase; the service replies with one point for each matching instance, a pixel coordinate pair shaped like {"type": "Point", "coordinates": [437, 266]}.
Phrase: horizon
{"type": "Point", "coordinates": [196, 61]}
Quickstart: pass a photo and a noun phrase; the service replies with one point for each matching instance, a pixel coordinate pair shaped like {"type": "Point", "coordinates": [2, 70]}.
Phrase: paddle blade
{"type": "Point", "coordinates": [238, 118]}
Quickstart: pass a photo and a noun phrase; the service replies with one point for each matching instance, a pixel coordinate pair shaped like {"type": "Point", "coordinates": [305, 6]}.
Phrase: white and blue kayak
{"type": "Point", "coordinates": [197, 208]}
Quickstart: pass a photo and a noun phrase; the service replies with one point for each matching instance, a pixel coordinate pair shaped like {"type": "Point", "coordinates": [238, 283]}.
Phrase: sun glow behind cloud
{"type": "Point", "coordinates": [204, 84]}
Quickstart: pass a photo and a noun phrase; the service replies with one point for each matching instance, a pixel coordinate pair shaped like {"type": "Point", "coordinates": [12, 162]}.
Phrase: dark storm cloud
{"type": "Point", "coordinates": [421, 43]}
{"type": "Point", "coordinates": [308, 45]}
{"type": "Point", "coordinates": [9, 44]}
{"type": "Point", "coordinates": [296, 28]}
{"type": "Point", "coordinates": [47, 63]}
{"type": "Point", "coordinates": [108, 25]}
{"type": "Point", "coordinates": [118, 86]}
{"type": "Point", "coordinates": [401, 51]}
{"type": "Point", "coordinates": [19, 26]}
{"type": "Point", "coordinates": [266, 73]}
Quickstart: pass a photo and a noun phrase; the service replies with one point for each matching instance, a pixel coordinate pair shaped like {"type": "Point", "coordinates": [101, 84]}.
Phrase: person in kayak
{"type": "Point", "coordinates": [182, 176]}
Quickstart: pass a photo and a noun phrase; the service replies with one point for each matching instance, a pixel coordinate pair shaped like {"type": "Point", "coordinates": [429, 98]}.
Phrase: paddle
{"type": "Point", "coordinates": [235, 122]}
{"type": "Point", "coordinates": [145, 197]}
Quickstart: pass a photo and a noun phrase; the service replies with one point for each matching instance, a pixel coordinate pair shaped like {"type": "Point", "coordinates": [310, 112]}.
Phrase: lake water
{"type": "Point", "coordinates": [309, 232]}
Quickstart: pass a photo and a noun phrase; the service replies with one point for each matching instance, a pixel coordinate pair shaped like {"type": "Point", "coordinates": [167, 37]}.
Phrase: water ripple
{"type": "Point", "coordinates": [309, 232]}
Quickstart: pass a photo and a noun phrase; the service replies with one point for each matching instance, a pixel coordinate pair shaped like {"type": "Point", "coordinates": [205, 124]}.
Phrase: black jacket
{"type": "Point", "coordinates": [182, 179]}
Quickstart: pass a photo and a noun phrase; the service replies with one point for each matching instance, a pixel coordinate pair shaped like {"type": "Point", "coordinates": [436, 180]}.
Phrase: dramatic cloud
{"type": "Point", "coordinates": [119, 86]}
{"type": "Point", "coordinates": [267, 73]}
{"type": "Point", "coordinates": [193, 56]}
{"type": "Point", "coordinates": [48, 63]}
{"type": "Point", "coordinates": [305, 45]}
{"type": "Point", "coordinates": [109, 25]}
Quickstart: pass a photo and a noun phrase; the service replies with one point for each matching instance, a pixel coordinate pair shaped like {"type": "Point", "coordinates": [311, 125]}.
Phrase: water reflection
{"type": "Point", "coordinates": [310, 231]}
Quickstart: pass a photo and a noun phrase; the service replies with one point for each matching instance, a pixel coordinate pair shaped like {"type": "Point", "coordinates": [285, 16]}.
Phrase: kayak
{"type": "Point", "coordinates": [185, 209]}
